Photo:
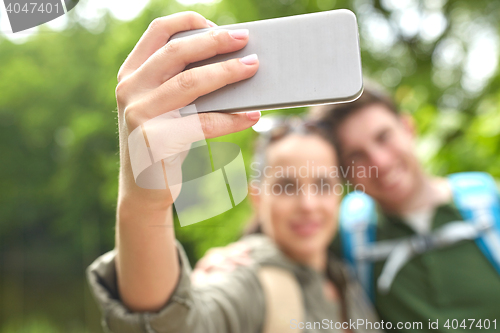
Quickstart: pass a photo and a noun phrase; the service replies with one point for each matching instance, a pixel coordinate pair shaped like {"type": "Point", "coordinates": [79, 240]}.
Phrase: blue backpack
{"type": "Point", "coordinates": [476, 196]}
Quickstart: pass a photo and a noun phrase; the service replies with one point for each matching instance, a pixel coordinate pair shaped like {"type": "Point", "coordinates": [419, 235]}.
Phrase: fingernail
{"type": "Point", "coordinates": [239, 33]}
{"type": "Point", "coordinates": [253, 115]}
{"type": "Point", "coordinates": [211, 24]}
{"type": "Point", "coordinates": [249, 59]}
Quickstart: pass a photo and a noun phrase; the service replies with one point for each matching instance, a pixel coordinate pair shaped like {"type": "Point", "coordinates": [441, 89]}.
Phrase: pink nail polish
{"type": "Point", "coordinates": [253, 115]}
{"type": "Point", "coordinates": [249, 59]}
{"type": "Point", "coordinates": [239, 33]}
{"type": "Point", "coordinates": [211, 24]}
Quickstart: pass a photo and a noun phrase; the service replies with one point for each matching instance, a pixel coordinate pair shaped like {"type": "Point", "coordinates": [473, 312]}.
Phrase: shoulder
{"type": "Point", "coordinates": [262, 248]}
{"type": "Point", "coordinates": [263, 252]}
{"type": "Point", "coordinates": [259, 249]}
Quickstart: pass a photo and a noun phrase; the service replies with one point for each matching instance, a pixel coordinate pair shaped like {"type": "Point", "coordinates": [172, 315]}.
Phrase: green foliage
{"type": "Point", "coordinates": [58, 135]}
{"type": "Point", "coordinates": [38, 325]}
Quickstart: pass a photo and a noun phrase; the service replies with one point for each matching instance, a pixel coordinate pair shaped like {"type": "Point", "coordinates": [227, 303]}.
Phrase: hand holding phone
{"type": "Point", "coordinates": [304, 60]}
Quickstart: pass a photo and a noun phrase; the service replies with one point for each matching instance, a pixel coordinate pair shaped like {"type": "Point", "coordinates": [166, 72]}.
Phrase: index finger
{"type": "Point", "coordinates": [157, 35]}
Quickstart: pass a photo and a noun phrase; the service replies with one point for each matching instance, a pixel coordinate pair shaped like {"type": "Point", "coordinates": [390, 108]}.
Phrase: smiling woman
{"type": "Point", "coordinates": [297, 211]}
{"type": "Point", "coordinates": [295, 230]}
{"type": "Point", "coordinates": [144, 284]}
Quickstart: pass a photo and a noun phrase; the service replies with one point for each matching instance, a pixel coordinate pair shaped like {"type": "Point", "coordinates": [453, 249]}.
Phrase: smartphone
{"type": "Point", "coordinates": [303, 60]}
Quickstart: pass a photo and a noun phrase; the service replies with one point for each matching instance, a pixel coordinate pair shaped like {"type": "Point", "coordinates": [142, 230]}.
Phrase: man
{"type": "Point", "coordinates": [452, 282]}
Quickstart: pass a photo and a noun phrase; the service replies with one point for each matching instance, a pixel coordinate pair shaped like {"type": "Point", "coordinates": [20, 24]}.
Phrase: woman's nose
{"type": "Point", "coordinates": [308, 199]}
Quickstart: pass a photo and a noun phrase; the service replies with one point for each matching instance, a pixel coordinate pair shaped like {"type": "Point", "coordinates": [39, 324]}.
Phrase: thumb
{"type": "Point", "coordinates": [170, 134]}
{"type": "Point", "coordinates": [215, 124]}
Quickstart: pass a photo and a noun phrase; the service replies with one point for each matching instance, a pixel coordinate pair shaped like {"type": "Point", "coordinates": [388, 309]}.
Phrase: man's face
{"type": "Point", "coordinates": [378, 148]}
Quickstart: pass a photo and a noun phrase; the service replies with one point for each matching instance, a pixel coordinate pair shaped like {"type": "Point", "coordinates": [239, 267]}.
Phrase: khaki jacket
{"type": "Point", "coordinates": [230, 302]}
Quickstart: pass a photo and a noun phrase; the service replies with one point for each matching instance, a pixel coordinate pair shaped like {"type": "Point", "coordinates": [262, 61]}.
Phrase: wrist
{"type": "Point", "coordinates": [145, 200]}
{"type": "Point", "coordinates": [132, 198]}
{"type": "Point", "coordinates": [141, 217]}
{"type": "Point", "coordinates": [131, 193]}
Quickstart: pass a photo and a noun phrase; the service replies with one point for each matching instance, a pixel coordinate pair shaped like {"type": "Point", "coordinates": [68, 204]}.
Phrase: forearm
{"type": "Point", "coordinates": [147, 262]}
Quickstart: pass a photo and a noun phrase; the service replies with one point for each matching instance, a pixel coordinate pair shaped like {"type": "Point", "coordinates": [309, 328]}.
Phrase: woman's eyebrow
{"type": "Point", "coordinates": [286, 179]}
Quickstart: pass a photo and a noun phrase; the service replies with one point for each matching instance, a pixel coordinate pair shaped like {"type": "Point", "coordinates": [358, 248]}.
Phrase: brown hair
{"type": "Point", "coordinates": [332, 116]}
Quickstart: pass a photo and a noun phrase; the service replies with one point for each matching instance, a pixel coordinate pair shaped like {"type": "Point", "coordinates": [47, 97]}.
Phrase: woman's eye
{"type": "Point", "coordinates": [326, 186]}
{"type": "Point", "coordinates": [284, 187]}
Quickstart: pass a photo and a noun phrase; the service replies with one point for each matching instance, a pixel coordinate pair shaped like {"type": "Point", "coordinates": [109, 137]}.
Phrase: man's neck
{"type": "Point", "coordinates": [430, 193]}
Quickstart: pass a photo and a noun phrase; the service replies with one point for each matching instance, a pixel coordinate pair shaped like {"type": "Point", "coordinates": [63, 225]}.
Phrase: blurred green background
{"type": "Point", "coordinates": [58, 134]}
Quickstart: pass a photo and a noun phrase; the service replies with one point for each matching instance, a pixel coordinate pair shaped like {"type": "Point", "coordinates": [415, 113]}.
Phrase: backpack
{"type": "Point", "coordinates": [476, 196]}
{"type": "Point", "coordinates": [283, 296]}
{"type": "Point", "coordinates": [283, 299]}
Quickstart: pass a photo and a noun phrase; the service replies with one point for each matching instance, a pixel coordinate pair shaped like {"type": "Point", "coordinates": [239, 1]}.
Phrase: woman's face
{"type": "Point", "coordinates": [298, 194]}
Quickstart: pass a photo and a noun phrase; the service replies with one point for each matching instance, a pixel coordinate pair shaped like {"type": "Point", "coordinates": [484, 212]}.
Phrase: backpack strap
{"type": "Point", "coordinates": [283, 299]}
{"type": "Point", "coordinates": [476, 197]}
{"type": "Point", "coordinates": [358, 225]}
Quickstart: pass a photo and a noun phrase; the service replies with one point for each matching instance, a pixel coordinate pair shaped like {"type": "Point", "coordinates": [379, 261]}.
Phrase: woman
{"type": "Point", "coordinates": [143, 285]}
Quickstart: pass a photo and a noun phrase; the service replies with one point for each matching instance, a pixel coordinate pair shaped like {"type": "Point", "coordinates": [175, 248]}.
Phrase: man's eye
{"type": "Point", "coordinates": [287, 184]}
{"type": "Point", "coordinates": [384, 137]}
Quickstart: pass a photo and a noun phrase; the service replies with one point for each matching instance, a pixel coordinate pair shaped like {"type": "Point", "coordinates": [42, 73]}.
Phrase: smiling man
{"type": "Point", "coordinates": [442, 275]}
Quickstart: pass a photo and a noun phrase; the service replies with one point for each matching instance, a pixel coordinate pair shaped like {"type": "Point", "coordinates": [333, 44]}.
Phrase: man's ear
{"type": "Point", "coordinates": [409, 124]}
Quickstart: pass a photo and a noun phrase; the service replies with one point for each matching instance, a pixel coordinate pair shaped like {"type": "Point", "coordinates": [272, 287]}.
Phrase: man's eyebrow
{"type": "Point", "coordinates": [351, 153]}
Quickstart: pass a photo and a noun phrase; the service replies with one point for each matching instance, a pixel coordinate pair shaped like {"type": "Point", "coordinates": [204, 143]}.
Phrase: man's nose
{"type": "Point", "coordinates": [381, 158]}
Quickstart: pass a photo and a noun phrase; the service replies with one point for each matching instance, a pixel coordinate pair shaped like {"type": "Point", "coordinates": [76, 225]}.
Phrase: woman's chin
{"type": "Point", "coordinates": [309, 246]}
{"type": "Point", "coordinates": [302, 245]}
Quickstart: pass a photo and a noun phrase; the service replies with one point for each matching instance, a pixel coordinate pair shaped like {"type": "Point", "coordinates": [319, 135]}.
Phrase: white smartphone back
{"type": "Point", "coordinates": [303, 60]}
